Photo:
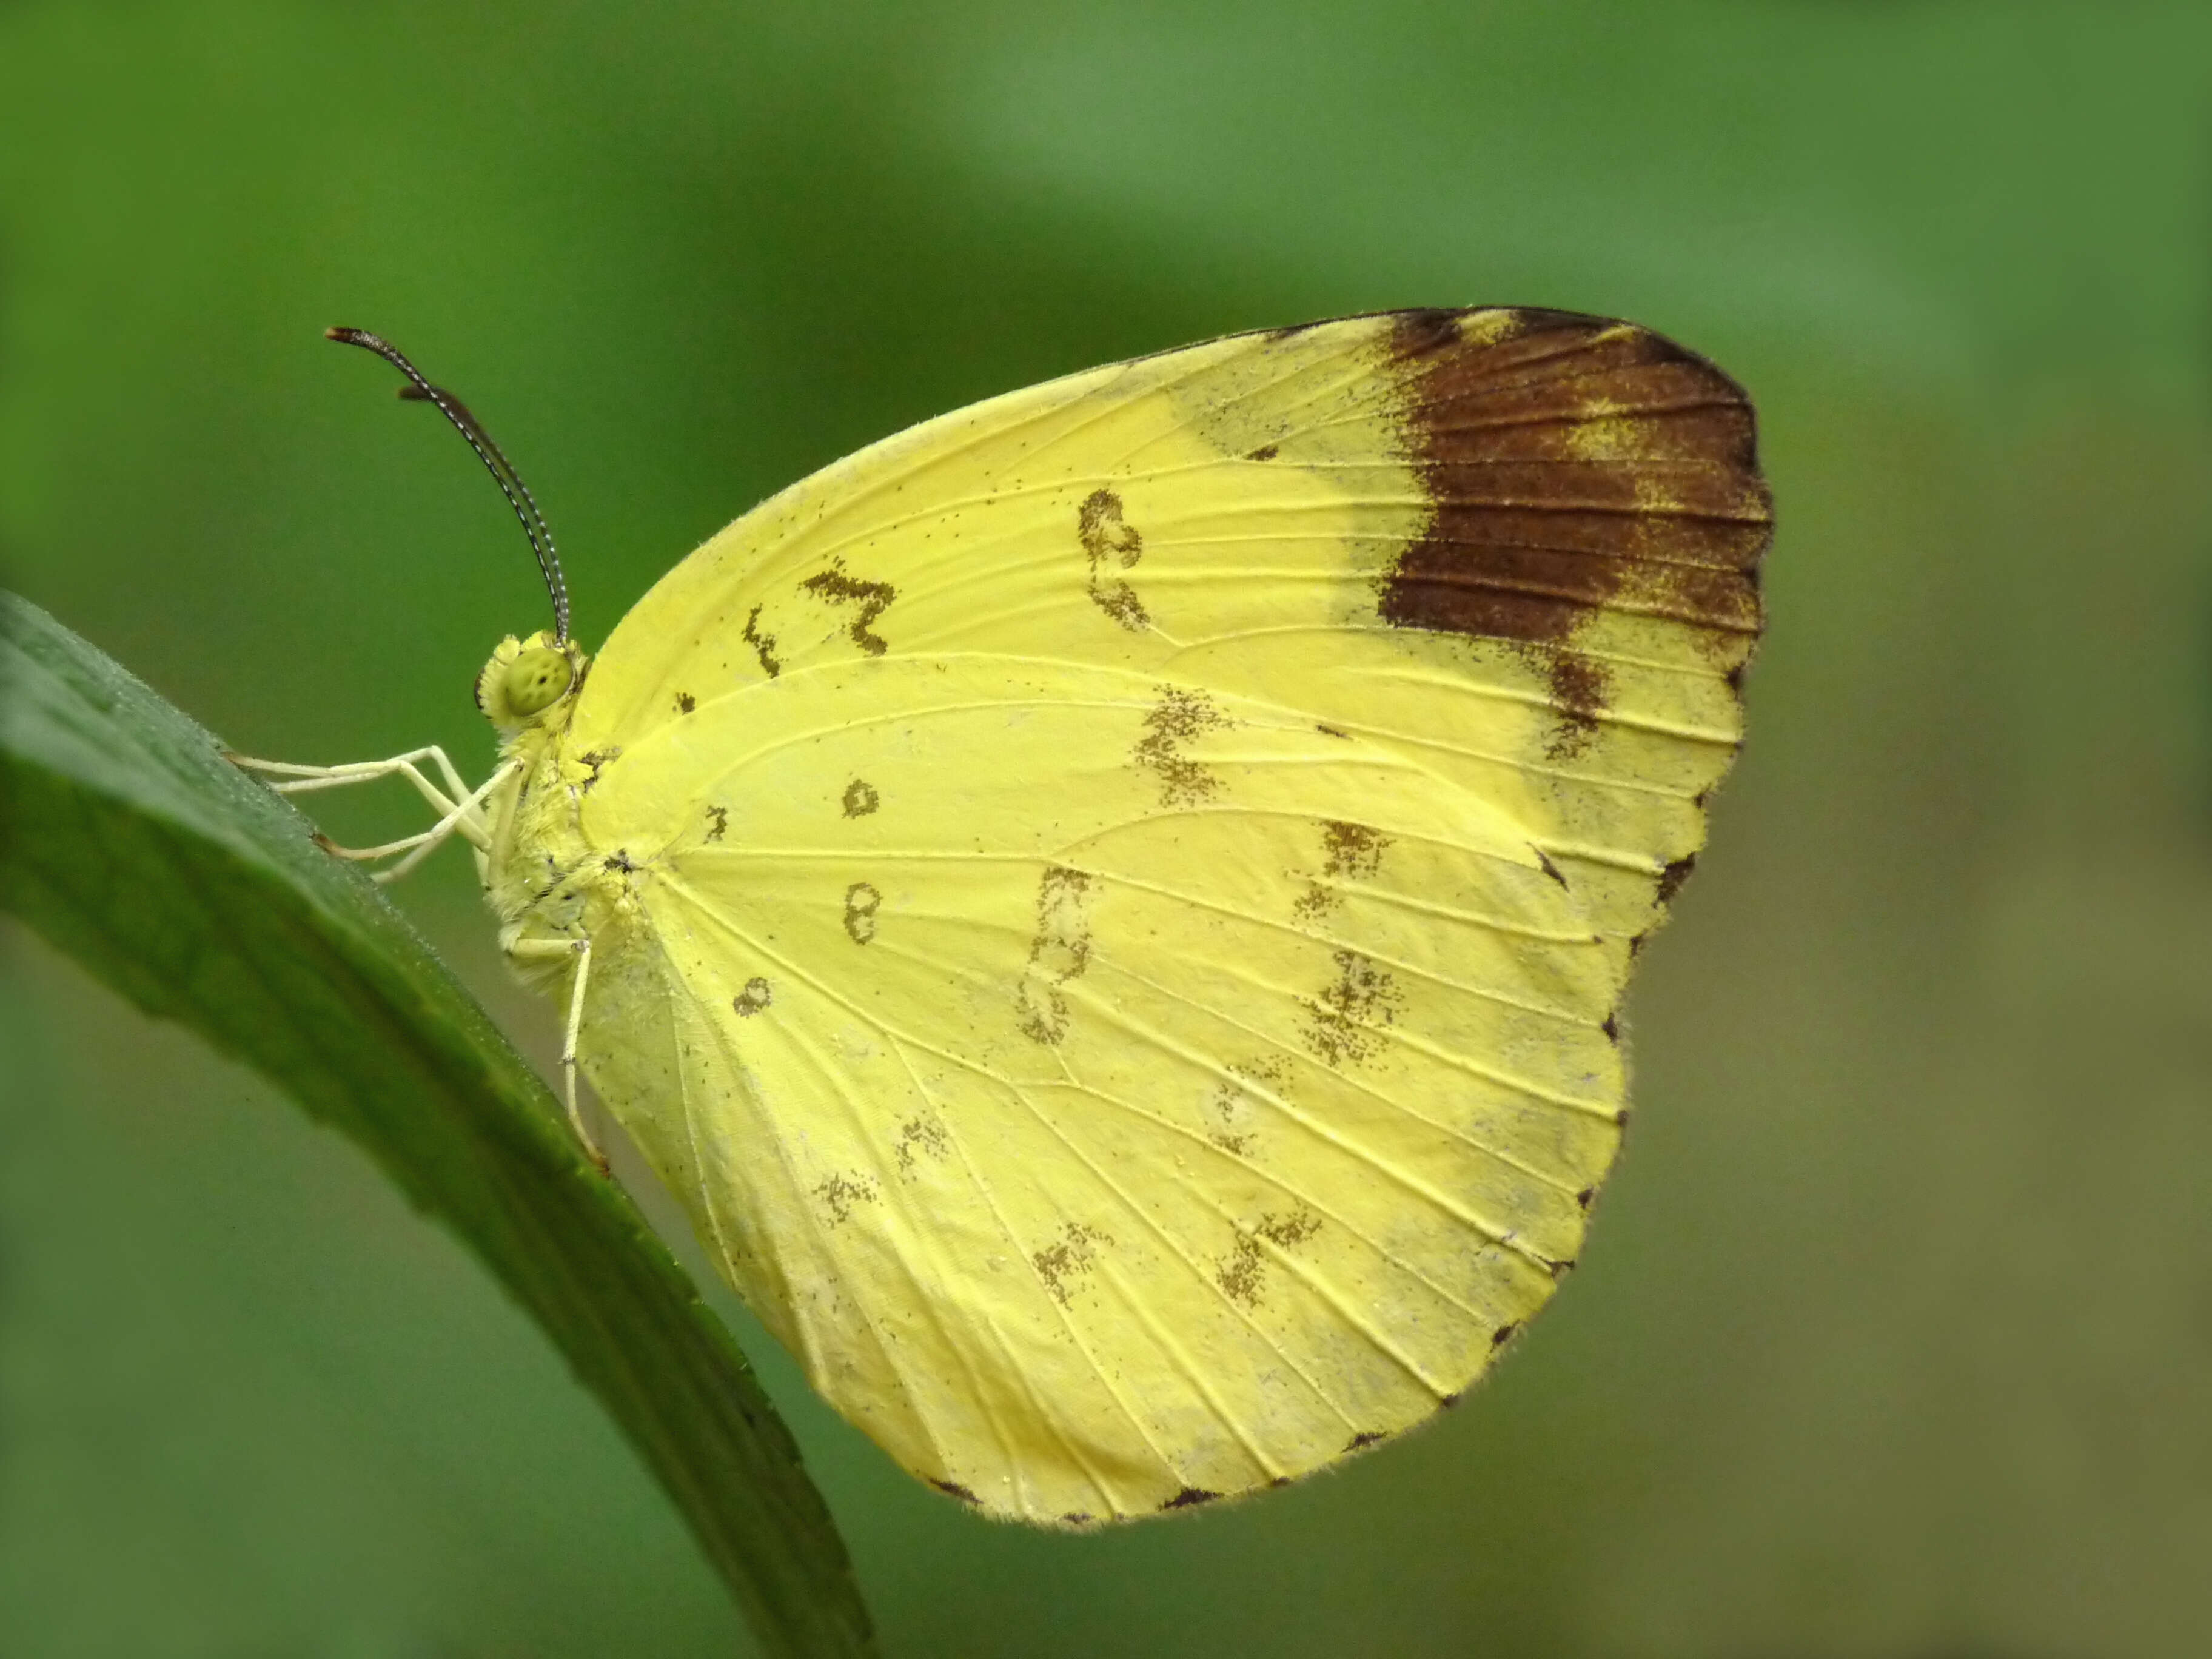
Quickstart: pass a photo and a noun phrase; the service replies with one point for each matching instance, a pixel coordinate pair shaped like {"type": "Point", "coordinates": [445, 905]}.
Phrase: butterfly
{"type": "Point", "coordinates": [1109, 908]}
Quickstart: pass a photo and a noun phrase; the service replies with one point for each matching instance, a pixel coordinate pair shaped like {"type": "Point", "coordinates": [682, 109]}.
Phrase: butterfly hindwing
{"type": "Point", "coordinates": [1130, 884]}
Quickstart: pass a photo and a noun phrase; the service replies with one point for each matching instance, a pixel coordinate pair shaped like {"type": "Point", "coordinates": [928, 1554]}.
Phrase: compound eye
{"type": "Point", "coordinates": [536, 679]}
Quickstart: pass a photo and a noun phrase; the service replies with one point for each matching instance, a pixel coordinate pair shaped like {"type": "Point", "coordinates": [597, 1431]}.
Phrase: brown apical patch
{"type": "Point", "coordinates": [1178, 717]}
{"type": "Point", "coordinates": [1111, 544]}
{"type": "Point", "coordinates": [871, 600]}
{"type": "Point", "coordinates": [860, 798]}
{"type": "Point", "coordinates": [1574, 463]}
{"type": "Point", "coordinates": [757, 995]}
{"type": "Point", "coordinates": [954, 1489]}
{"type": "Point", "coordinates": [1062, 1263]}
{"type": "Point", "coordinates": [1344, 1024]}
{"type": "Point", "coordinates": [1362, 1442]}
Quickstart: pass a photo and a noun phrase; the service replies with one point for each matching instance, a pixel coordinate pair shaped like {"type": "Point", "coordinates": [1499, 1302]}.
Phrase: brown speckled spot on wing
{"type": "Point", "coordinates": [1575, 464]}
{"type": "Point", "coordinates": [862, 902]}
{"type": "Point", "coordinates": [1672, 878]}
{"type": "Point", "coordinates": [757, 995]}
{"type": "Point", "coordinates": [840, 1192]}
{"type": "Point", "coordinates": [1111, 544]}
{"type": "Point", "coordinates": [763, 644]}
{"type": "Point", "coordinates": [1344, 1023]}
{"type": "Point", "coordinates": [1190, 1498]}
{"type": "Point", "coordinates": [1063, 1263]}
{"type": "Point", "coordinates": [860, 798]}
{"type": "Point", "coordinates": [919, 1138]}
{"type": "Point", "coordinates": [1581, 690]}
{"type": "Point", "coordinates": [1233, 1106]}
{"type": "Point", "coordinates": [1242, 1275]}
{"type": "Point", "coordinates": [1179, 716]}
{"type": "Point", "coordinates": [873, 598]}
{"type": "Point", "coordinates": [1347, 850]}
{"type": "Point", "coordinates": [597, 760]}
{"type": "Point", "coordinates": [1059, 951]}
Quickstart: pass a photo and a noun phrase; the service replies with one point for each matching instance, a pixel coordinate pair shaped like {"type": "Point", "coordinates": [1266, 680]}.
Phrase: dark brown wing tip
{"type": "Point", "coordinates": [1575, 464]}
{"type": "Point", "coordinates": [1441, 329]}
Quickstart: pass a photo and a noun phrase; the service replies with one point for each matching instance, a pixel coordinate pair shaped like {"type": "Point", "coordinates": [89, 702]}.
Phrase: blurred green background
{"type": "Point", "coordinates": [1895, 1335]}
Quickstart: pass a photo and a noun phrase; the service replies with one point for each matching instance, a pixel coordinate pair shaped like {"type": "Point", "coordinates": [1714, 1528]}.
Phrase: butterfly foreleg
{"type": "Point", "coordinates": [304, 780]}
{"type": "Point", "coordinates": [466, 820]}
{"type": "Point", "coordinates": [581, 950]}
{"type": "Point", "coordinates": [460, 809]}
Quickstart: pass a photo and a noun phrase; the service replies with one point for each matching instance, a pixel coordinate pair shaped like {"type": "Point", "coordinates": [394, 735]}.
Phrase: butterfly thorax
{"type": "Point", "coordinates": [541, 877]}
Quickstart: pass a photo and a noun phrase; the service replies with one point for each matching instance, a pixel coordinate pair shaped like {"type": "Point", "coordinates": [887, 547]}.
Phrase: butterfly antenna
{"type": "Point", "coordinates": [419, 390]}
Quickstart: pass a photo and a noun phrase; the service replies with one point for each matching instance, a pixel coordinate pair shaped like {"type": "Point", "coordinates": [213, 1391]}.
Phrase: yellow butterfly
{"type": "Point", "coordinates": [1110, 908]}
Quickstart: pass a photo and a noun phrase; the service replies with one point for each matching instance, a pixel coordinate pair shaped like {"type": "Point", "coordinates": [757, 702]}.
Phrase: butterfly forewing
{"type": "Point", "coordinates": [1129, 885]}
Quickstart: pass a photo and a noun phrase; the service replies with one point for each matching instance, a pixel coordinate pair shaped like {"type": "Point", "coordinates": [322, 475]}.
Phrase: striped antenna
{"type": "Point", "coordinates": [420, 390]}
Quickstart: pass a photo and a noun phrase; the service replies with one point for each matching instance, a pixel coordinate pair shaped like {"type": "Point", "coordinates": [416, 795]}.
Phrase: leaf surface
{"type": "Point", "coordinates": [132, 843]}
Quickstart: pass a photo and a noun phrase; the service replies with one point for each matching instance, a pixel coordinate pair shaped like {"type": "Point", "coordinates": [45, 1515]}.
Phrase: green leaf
{"type": "Point", "coordinates": [131, 842]}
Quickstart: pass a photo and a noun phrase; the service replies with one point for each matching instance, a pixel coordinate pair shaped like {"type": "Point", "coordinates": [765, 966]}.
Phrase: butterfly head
{"type": "Point", "coordinates": [530, 682]}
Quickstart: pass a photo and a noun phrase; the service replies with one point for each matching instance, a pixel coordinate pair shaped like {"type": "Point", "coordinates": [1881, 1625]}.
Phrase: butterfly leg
{"type": "Point", "coordinates": [461, 809]}
{"type": "Point", "coordinates": [568, 1054]}
{"type": "Point", "coordinates": [582, 950]}
{"type": "Point", "coordinates": [466, 820]}
{"type": "Point", "coordinates": [306, 779]}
